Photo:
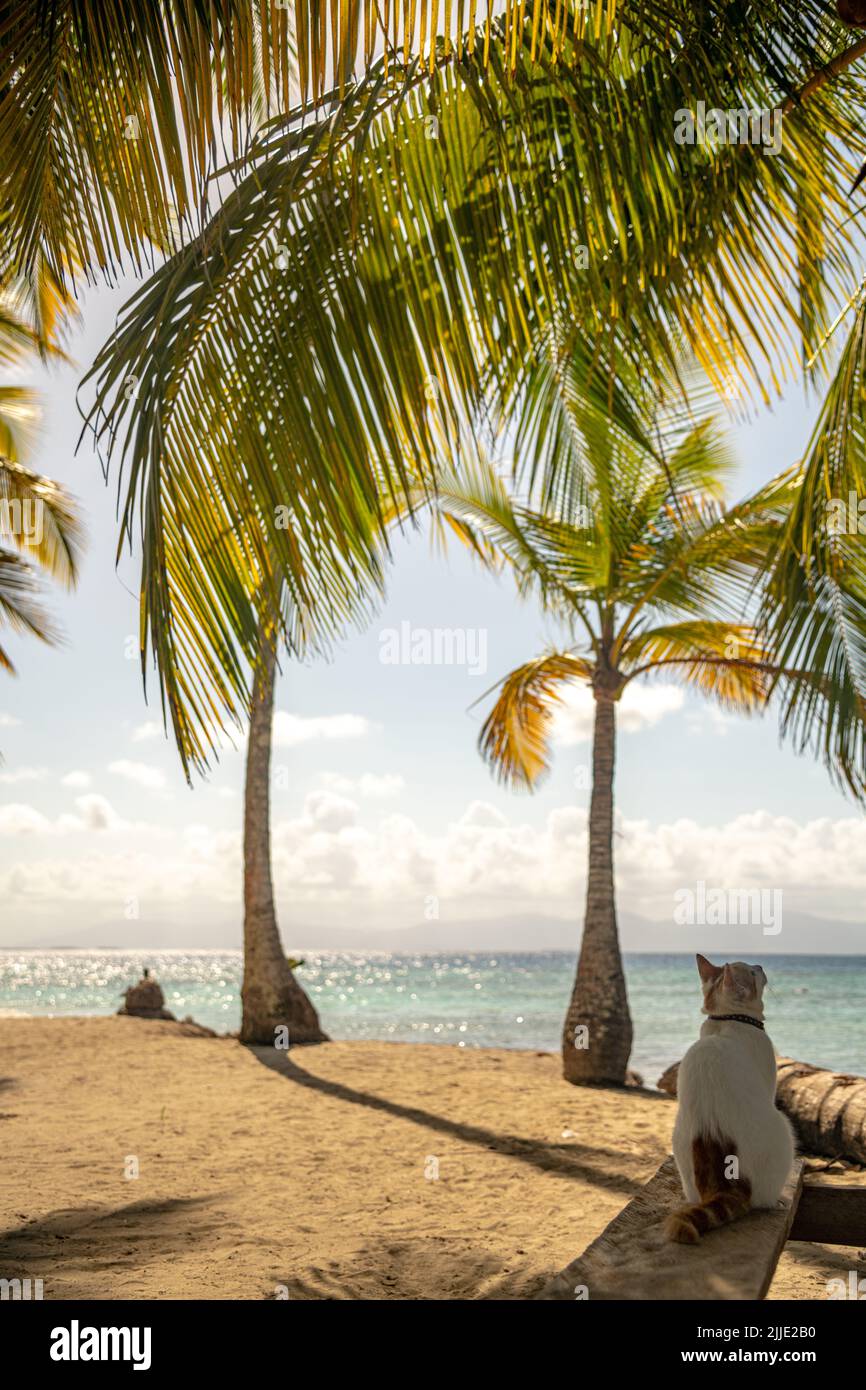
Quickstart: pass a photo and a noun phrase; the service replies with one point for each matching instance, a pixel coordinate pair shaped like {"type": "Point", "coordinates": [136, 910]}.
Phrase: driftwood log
{"type": "Point", "coordinates": [826, 1108]}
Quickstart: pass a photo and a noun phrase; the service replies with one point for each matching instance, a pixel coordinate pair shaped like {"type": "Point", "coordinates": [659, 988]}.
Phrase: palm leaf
{"type": "Point", "coordinates": [515, 737]}
{"type": "Point", "coordinates": [20, 608]}
{"type": "Point", "coordinates": [51, 531]}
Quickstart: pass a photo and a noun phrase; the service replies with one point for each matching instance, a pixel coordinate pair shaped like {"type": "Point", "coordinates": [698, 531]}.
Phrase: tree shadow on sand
{"type": "Point", "coordinates": [97, 1238]}
{"type": "Point", "coordinates": [572, 1159]}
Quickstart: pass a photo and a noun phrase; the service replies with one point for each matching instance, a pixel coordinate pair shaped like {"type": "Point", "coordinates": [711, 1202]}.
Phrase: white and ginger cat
{"type": "Point", "coordinates": [727, 1089]}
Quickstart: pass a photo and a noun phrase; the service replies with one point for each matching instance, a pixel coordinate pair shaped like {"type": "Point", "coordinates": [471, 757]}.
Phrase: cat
{"type": "Point", "coordinates": [733, 1148]}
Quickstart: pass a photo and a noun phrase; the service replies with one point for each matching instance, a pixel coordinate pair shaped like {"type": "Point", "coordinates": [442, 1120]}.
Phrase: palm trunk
{"type": "Point", "coordinates": [596, 1039]}
{"type": "Point", "coordinates": [270, 995]}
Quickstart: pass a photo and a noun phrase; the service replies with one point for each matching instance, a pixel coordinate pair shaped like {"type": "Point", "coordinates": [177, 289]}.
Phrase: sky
{"type": "Point", "coordinates": [388, 829]}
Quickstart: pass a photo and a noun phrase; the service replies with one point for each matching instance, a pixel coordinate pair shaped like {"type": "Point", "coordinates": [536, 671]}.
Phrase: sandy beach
{"type": "Point", "coordinates": [310, 1175]}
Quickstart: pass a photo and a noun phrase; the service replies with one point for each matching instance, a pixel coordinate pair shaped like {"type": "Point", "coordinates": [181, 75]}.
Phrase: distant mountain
{"type": "Point", "coordinates": [801, 934]}
{"type": "Point", "coordinates": [517, 933]}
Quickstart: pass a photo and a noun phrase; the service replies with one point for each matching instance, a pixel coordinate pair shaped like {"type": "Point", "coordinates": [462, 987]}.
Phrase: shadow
{"type": "Point", "coordinates": [646, 1093]}
{"type": "Point", "coordinates": [8, 1083]}
{"type": "Point", "coordinates": [386, 1269]}
{"type": "Point", "coordinates": [566, 1159]}
{"type": "Point", "coordinates": [69, 1233]}
{"type": "Point", "coordinates": [831, 1257]}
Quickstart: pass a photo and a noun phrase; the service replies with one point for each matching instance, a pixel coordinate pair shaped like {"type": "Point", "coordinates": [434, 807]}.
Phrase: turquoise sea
{"type": "Point", "coordinates": [816, 1005]}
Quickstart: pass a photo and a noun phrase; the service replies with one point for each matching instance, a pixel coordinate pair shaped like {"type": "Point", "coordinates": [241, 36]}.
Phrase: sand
{"type": "Point", "coordinates": [314, 1174]}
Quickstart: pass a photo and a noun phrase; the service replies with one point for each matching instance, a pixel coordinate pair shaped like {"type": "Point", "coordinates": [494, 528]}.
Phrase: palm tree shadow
{"type": "Point", "coordinates": [571, 1160]}
{"type": "Point", "coordinates": [68, 1235]}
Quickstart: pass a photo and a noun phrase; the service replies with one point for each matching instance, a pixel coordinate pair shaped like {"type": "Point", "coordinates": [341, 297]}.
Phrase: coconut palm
{"type": "Point", "coordinates": [429, 226]}
{"type": "Point", "coordinates": [271, 996]}
{"type": "Point", "coordinates": [650, 575]}
{"type": "Point", "coordinates": [358, 263]}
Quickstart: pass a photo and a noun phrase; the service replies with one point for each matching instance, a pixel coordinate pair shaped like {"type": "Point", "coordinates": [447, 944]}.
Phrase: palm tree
{"type": "Point", "coordinates": [651, 575]}
{"type": "Point", "coordinates": [424, 222]}
{"type": "Point", "coordinates": [271, 997]}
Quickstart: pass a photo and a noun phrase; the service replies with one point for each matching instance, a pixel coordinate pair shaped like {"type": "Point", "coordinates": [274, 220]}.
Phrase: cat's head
{"type": "Point", "coordinates": [735, 988]}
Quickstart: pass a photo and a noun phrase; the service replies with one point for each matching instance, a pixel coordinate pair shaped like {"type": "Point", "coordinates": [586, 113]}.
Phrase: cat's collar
{"type": "Point", "coordinates": [737, 1018]}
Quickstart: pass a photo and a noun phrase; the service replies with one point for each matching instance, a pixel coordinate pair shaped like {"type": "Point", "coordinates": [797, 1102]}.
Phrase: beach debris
{"type": "Point", "coordinates": [145, 1000]}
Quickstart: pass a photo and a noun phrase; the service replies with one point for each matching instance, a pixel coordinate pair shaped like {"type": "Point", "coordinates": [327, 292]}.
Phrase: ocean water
{"type": "Point", "coordinates": [815, 1005]}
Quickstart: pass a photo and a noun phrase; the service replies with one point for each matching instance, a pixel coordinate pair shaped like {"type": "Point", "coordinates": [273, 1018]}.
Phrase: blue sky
{"type": "Point", "coordinates": [384, 816]}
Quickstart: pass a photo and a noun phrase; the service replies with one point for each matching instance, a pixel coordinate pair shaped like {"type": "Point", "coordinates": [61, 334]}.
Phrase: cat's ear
{"type": "Point", "coordinates": [707, 970]}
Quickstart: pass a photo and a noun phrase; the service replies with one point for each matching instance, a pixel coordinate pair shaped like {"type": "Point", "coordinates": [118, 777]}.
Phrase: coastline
{"type": "Point", "coordinates": [379, 1170]}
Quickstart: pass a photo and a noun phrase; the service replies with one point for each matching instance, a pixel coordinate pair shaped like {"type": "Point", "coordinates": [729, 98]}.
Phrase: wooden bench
{"type": "Point", "coordinates": [632, 1260]}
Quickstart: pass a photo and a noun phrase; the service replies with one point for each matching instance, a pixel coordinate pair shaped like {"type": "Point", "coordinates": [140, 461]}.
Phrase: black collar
{"type": "Point", "coordinates": [737, 1018]}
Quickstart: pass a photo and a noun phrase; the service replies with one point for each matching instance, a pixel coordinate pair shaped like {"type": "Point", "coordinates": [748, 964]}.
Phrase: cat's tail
{"type": "Point", "coordinates": [724, 1194]}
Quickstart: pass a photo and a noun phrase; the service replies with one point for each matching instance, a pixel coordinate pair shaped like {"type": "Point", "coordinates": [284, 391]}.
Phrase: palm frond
{"type": "Point", "coordinates": [723, 660]}
{"type": "Point", "coordinates": [515, 737]}
{"type": "Point", "coordinates": [113, 116]}
{"type": "Point", "coordinates": [815, 606]}
{"type": "Point", "coordinates": [41, 520]}
{"type": "Point", "coordinates": [19, 421]}
{"type": "Point", "coordinates": [20, 606]}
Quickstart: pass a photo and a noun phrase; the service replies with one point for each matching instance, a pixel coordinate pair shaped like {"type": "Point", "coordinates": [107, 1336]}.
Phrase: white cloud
{"type": "Point", "coordinates": [23, 774]}
{"type": "Point", "coordinates": [97, 813]}
{"type": "Point", "coordinates": [292, 729]}
{"type": "Point", "coordinates": [369, 784]}
{"type": "Point", "coordinates": [7, 721]}
{"type": "Point", "coordinates": [18, 819]}
{"type": "Point", "coordinates": [143, 733]}
{"type": "Point", "coordinates": [640, 707]}
{"type": "Point", "coordinates": [326, 861]}
{"type": "Point", "coordinates": [77, 780]}
{"type": "Point", "coordinates": [328, 811]}
{"type": "Point", "coordinates": [141, 773]}
{"type": "Point", "coordinates": [94, 813]}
